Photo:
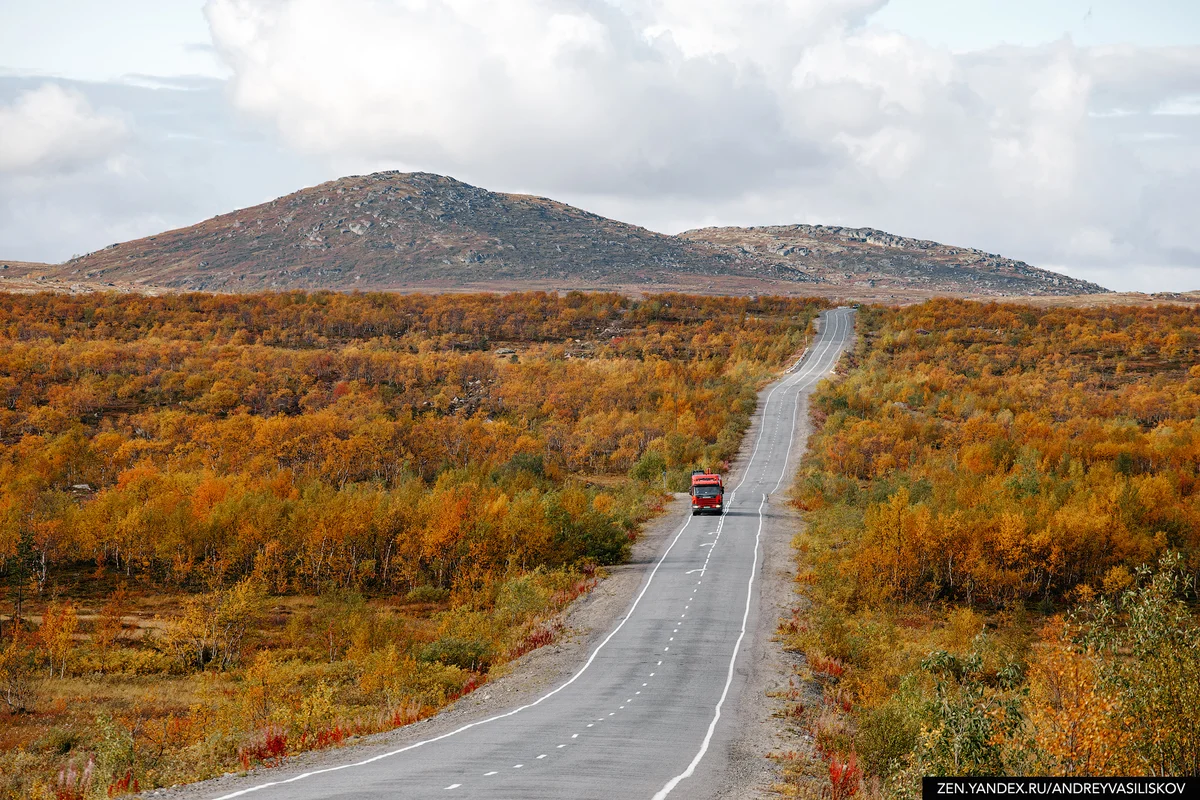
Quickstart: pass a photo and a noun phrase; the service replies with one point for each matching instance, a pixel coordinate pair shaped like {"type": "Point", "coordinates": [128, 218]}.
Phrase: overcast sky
{"type": "Point", "coordinates": [1066, 134]}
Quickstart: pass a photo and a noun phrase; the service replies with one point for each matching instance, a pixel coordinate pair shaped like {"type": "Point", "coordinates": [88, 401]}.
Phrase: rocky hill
{"type": "Point", "coordinates": [865, 257]}
{"type": "Point", "coordinates": [397, 231]}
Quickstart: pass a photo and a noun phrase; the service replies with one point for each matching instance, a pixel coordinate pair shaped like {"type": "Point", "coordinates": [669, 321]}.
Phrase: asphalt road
{"type": "Point", "coordinates": [643, 717]}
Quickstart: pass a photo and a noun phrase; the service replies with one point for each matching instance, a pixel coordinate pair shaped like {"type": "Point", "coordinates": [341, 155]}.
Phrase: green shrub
{"type": "Point", "coordinates": [1150, 646]}
{"type": "Point", "coordinates": [649, 467]}
{"type": "Point", "coordinates": [471, 654]}
{"type": "Point", "coordinates": [974, 716]}
{"type": "Point", "coordinates": [59, 741]}
{"type": "Point", "coordinates": [887, 734]}
{"type": "Point", "coordinates": [428, 594]}
{"type": "Point", "coordinates": [518, 599]}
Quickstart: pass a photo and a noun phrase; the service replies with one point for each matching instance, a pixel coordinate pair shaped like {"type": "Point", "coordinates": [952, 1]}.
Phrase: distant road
{"type": "Point", "coordinates": [649, 713]}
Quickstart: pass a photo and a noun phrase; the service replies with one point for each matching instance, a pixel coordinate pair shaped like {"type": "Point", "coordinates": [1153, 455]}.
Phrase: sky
{"type": "Point", "coordinates": [1064, 134]}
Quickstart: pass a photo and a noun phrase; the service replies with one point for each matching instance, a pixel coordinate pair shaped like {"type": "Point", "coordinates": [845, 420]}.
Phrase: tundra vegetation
{"type": "Point", "coordinates": [237, 527]}
{"type": "Point", "coordinates": [998, 569]}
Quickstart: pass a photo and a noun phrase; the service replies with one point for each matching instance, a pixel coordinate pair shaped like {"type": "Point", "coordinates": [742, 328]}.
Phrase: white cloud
{"type": "Point", "coordinates": [52, 129]}
{"type": "Point", "coordinates": [183, 156]}
{"type": "Point", "coordinates": [666, 113]}
{"type": "Point", "coordinates": [669, 112]}
{"type": "Point", "coordinates": [1185, 106]}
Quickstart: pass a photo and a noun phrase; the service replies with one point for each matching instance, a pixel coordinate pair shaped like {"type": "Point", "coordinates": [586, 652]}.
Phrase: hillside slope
{"type": "Point", "coordinates": [397, 231]}
{"type": "Point", "coordinates": [865, 256]}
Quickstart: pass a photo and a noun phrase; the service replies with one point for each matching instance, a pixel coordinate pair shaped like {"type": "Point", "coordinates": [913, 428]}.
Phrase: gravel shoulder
{"type": "Point", "coordinates": [761, 727]}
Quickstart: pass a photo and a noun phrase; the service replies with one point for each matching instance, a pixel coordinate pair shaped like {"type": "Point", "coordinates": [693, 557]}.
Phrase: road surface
{"type": "Point", "coordinates": [648, 715]}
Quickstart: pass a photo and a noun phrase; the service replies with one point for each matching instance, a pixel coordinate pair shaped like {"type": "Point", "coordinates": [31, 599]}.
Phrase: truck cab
{"type": "Point", "coordinates": [708, 492]}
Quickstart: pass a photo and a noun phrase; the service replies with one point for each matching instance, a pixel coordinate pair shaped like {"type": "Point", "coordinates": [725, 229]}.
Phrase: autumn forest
{"type": "Point", "coordinates": [998, 572]}
{"type": "Point", "coordinates": [234, 528]}
{"type": "Point", "coordinates": [241, 527]}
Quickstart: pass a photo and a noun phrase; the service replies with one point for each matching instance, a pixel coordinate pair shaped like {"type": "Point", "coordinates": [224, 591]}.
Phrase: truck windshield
{"type": "Point", "coordinates": [706, 491]}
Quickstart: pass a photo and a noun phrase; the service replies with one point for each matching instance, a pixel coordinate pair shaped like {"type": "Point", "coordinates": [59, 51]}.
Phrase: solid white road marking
{"type": "Point", "coordinates": [712, 726]}
{"type": "Point", "coordinates": [671, 784]}
{"type": "Point", "coordinates": [796, 409]}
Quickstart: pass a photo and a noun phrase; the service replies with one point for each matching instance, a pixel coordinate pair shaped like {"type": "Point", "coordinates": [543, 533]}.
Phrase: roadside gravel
{"type": "Point", "coordinates": [761, 727]}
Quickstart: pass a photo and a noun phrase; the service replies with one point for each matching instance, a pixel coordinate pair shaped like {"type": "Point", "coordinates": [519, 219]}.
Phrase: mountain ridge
{"type": "Point", "coordinates": [410, 231]}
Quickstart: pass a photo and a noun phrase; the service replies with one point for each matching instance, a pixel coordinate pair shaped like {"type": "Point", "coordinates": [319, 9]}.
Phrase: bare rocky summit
{"type": "Point", "coordinates": [406, 231]}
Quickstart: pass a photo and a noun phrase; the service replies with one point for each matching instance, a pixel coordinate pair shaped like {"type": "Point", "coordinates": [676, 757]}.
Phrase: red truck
{"type": "Point", "coordinates": [708, 492]}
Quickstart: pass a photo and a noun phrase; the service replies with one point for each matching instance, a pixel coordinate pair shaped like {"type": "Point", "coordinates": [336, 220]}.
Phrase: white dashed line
{"type": "Point", "coordinates": [453, 786]}
{"type": "Point", "coordinates": [543, 755]}
{"type": "Point", "coordinates": [517, 766]}
{"type": "Point", "coordinates": [561, 746]}
{"type": "Point", "coordinates": [489, 774]}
